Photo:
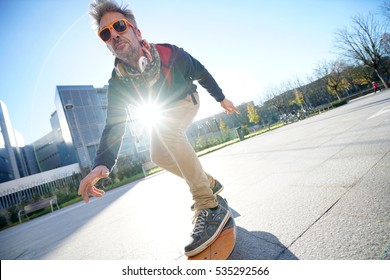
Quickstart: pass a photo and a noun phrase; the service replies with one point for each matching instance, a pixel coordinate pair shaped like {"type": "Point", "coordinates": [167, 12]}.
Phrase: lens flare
{"type": "Point", "coordinates": [149, 115]}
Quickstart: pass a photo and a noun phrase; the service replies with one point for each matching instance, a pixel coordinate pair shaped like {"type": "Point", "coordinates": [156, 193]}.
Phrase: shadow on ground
{"type": "Point", "coordinates": [259, 245]}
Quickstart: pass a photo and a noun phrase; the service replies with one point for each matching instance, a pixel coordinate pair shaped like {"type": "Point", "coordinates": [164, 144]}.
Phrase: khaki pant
{"type": "Point", "coordinates": [171, 150]}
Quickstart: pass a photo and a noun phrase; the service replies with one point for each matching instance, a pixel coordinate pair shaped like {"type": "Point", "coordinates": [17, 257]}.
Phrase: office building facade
{"type": "Point", "coordinates": [81, 114]}
{"type": "Point", "coordinates": [51, 151]}
{"type": "Point", "coordinates": [12, 163]}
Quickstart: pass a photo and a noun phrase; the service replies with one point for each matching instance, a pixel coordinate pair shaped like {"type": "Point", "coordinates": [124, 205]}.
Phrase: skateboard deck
{"type": "Point", "coordinates": [223, 245]}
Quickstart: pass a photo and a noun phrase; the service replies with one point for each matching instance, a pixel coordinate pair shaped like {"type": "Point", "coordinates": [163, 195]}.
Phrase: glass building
{"type": "Point", "coordinates": [81, 115]}
{"type": "Point", "coordinates": [16, 159]}
{"type": "Point", "coordinates": [9, 168]}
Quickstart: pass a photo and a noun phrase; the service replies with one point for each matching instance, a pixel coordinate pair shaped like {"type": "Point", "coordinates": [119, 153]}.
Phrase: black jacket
{"type": "Point", "coordinates": [178, 71]}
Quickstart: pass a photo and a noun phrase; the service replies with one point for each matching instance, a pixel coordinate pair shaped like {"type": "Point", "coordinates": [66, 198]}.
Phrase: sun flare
{"type": "Point", "coordinates": [149, 115]}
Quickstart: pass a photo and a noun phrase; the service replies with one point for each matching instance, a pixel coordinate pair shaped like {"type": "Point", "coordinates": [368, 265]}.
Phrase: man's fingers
{"type": "Point", "coordinates": [229, 107]}
{"type": "Point", "coordinates": [92, 190]}
{"type": "Point", "coordinates": [82, 187]}
{"type": "Point", "coordinates": [95, 191]}
{"type": "Point", "coordinates": [232, 110]}
{"type": "Point", "coordinates": [85, 197]}
{"type": "Point", "coordinates": [87, 188]}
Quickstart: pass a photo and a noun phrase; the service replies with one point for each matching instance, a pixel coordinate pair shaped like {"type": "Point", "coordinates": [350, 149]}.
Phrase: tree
{"type": "Point", "coordinates": [333, 73]}
{"type": "Point", "coordinates": [359, 75]}
{"type": "Point", "coordinates": [385, 8]}
{"type": "Point", "coordinates": [365, 43]}
{"type": "Point", "coordinates": [277, 98]}
{"type": "Point", "coordinates": [386, 43]}
{"type": "Point", "coordinates": [299, 99]}
{"type": "Point", "coordinates": [315, 91]}
{"type": "Point", "coordinates": [223, 126]}
{"type": "Point", "coordinates": [253, 116]}
{"type": "Point", "coordinates": [302, 92]}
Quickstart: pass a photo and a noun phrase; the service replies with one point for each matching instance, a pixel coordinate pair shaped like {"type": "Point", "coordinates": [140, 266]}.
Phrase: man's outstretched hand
{"type": "Point", "coordinates": [87, 185]}
{"type": "Point", "coordinates": [229, 107]}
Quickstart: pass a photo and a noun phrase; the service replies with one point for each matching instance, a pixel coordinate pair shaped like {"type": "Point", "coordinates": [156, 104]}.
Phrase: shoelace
{"type": "Point", "coordinates": [200, 217]}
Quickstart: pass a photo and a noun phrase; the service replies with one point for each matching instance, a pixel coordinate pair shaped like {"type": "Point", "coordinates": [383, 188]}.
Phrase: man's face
{"type": "Point", "coordinates": [125, 45]}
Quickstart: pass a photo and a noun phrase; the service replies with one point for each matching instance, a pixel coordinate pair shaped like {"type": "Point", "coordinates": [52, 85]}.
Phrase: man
{"type": "Point", "coordinates": [163, 74]}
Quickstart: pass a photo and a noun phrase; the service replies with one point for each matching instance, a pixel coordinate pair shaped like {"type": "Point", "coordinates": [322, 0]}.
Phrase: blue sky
{"type": "Point", "coordinates": [246, 45]}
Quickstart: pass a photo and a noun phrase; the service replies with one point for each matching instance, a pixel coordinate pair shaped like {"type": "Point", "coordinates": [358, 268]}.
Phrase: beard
{"type": "Point", "coordinates": [126, 50]}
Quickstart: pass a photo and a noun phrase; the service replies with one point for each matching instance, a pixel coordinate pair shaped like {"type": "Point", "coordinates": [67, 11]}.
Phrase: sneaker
{"type": "Point", "coordinates": [209, 224]}
{"type": "Point", "coordinates": [217, 188]}
{"type": "Point", "coordinates": [222, 201]}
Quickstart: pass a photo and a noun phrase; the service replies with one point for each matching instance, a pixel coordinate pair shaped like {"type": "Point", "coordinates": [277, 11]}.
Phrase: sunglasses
{"type": "Point", "coordinates": [119, 26]}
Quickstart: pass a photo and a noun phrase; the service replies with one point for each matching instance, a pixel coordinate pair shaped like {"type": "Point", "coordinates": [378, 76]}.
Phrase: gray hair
{"type": "Point", "coordinates": [100, 7]}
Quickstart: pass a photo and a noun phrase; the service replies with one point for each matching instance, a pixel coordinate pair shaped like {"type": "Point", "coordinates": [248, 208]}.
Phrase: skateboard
{"type": "Point", "coordinates": [223, 245]}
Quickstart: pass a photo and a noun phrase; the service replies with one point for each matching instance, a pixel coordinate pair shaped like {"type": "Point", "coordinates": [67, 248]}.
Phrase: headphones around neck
{"type": "Point", "coordinates": [121, 71]}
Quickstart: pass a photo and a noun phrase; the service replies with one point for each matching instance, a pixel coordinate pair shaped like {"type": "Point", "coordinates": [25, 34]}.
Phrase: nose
{"type": "Point", "coordinates": [113, 33]}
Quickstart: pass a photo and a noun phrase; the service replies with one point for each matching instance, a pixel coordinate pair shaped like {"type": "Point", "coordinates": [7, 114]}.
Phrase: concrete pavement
{"type": "Point", "coordinates": [315, 189]}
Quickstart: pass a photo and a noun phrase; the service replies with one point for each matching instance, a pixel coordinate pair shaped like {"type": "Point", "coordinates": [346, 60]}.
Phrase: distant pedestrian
{"type": "Point", "coordinates": [375, 87]}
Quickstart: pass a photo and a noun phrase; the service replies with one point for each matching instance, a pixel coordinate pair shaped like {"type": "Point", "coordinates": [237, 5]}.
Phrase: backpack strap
{"type": "Point", "coordinates": [165, 53]}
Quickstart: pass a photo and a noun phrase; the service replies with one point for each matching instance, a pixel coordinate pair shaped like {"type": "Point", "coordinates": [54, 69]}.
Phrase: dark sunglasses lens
{"type": "Point", "coordinates": [105, 34]}
{"type": "Point", "coordinates": [120, 26]}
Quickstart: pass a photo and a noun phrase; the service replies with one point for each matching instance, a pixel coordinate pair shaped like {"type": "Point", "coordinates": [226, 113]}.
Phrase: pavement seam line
{"type": "Point", "coordinates": [310, 226]}
{"type": "Point", "coordinates": [330, 208]}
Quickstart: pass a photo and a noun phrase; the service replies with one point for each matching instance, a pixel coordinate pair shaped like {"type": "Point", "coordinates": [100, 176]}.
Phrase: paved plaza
{"type": "Point", "coordinates": [315, 189]}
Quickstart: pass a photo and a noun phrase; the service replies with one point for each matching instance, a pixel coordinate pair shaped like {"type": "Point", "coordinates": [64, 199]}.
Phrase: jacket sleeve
{"type": "Point", "coordinates": [194, 70]}
{"type": "Point", "coordinates": [115, 127]}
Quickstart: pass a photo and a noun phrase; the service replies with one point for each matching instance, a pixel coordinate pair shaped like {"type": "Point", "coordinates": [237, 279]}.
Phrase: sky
{"type": "Point", "coordinates": [246, 45]}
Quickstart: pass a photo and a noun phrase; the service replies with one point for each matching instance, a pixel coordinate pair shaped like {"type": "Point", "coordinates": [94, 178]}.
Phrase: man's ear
{"type": "Point", "coordinates": [139, 35]}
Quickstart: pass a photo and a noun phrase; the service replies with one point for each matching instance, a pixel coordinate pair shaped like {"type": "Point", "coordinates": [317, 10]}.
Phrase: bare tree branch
{"type": "Point", "coordinates": [365, 42]}
{"type": "Point", "coordinates": [385, 8]}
